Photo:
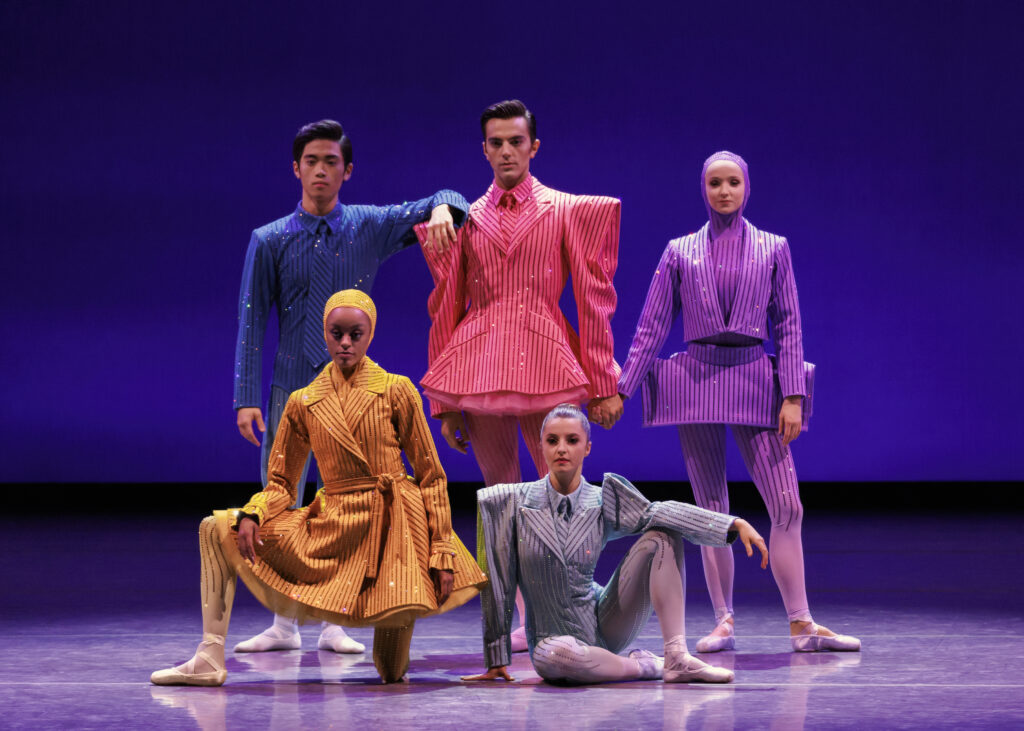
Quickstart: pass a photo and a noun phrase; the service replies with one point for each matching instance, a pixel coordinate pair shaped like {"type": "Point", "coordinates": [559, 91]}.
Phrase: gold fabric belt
{"type": "Point", "coordinates": [381, 485]}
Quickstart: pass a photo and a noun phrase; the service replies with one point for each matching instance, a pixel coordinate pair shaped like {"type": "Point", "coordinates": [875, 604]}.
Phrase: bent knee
{"type": "Point", "coordinates": [662, 542]}
{"type": "Point", "coordinates": [208, 525]}
{"type": "Point", "coordinates": [558, 658]}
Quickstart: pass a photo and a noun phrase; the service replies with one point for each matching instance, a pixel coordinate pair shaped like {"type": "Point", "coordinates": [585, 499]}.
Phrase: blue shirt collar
{"type": "Point", "coordinates": [555, 497]}
{"type": "Point", "coordinates": [311, 223]}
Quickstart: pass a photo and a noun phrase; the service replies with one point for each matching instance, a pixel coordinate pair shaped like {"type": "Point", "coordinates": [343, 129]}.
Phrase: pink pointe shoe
{"type": "Point", "coordinates": [651, 666]}
{"type": "Point", "coordinates": [810, 641]}
{"type": "Point", "coordinates": [519, 640]}
{"type": "Point", "coordinates": [716, 643]}
{"type": "Point", "coordinates": [682, 667]}
{"type": "Point", "coordinates": [186, 675]}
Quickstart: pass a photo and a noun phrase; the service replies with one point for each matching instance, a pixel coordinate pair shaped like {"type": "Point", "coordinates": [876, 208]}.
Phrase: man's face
{"type": "Point", "coordinates": [508, 148]}
{"type": "Point", "coordinates": [322, 170]}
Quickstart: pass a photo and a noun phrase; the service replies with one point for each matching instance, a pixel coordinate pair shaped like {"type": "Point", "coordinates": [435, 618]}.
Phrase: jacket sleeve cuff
{"type": "Point", "coordinates": [257, 508]}
{"type": "Point", "coordinates": [442, 556]}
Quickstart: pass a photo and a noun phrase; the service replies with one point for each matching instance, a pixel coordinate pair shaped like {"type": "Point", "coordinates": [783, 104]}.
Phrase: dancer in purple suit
{"type": "Point", "coordinates": [730, 280]}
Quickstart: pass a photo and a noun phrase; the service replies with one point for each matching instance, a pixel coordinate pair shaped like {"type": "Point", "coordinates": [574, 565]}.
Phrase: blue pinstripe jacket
{"type": "Point", "coordinates": [522, 547]}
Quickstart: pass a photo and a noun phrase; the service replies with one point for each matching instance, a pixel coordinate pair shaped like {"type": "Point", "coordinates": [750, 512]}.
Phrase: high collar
{"type": "Point", "coordinates": [368, 376]}
{"type": "Point", "coordinates": [311, 223]}
{"type": "Point", "coordinates": [728, 225]}
{"type": "Point", "coordinates": [522, 192]}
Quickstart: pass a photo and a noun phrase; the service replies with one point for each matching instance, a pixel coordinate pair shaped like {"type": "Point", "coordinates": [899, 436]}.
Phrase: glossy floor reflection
{"type": "Point", "coordinates": [91, 609]}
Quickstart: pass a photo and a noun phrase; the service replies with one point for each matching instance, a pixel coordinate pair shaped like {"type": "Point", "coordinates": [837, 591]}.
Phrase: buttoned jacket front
{"type": "Point", "coordinates": [496, 323]}
{"type": "Point", "coordinates": [522, 548]}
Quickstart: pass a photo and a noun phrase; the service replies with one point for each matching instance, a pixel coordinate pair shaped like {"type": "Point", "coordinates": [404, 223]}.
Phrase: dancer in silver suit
{"type": "Point", "coordinates": [545, 537]}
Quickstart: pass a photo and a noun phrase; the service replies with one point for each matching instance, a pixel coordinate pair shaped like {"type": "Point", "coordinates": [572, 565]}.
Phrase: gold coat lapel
{"type": "Point", "coordinates": [324, 404]}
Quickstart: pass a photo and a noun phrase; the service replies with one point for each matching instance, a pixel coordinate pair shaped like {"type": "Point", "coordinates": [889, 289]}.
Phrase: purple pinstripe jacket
{"type": "Point", "coordinates": [718, 383]}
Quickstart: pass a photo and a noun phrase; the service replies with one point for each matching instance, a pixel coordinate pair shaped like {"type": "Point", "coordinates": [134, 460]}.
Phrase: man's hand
{"type": "Point", "coordinates": [444, 582]}
{"type": "Point", "coordinates": [453, 429]}
{"type": "Point", "coordinates": [440, 229]}
{"type": "Point", "coordinates": [751, 538]}
{"type": "Point", "coordinates": [244, 418]}
{"type": "Point", "coordinates": [498, 673]}
{"type": "Point", "coordinates": [605, 411]}
{"type": "Point", "coordinates": [790, 419]}
{"type": "Point", "coordinates": [248, 539]}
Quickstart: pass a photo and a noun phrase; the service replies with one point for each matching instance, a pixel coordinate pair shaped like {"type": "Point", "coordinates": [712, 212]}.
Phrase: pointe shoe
{"type": "Point", "coordinates": [272, 638]}
{"type": "Point", "coordinates": [682, 667]}
{"type": "Point", "coordinates": [651, 666]}
{"type": "Point", "coordinates": [717, 643]}
{"type": "Point", "coordinates": [810, 641]}
{"type": "Point", "coordinates": [519, 640]}
{"type": "Point", "coordinates": [335, 639]}
{"type": "Point", "coordinates": [185, 674]}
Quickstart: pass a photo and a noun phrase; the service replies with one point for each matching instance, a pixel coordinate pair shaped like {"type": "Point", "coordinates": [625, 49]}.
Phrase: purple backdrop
{"type": "Point", "coordinates": [141, 146]}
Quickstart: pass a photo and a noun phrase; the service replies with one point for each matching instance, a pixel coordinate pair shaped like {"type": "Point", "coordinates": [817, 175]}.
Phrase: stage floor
{"type": "Point", "coordinates": [92, 605]}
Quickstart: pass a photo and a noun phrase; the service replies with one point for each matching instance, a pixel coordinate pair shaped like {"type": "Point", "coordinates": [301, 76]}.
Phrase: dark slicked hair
{"type": "Point", "coordinates": [509, 109]}
{"type": "Point", "coordinates": [325, 129]}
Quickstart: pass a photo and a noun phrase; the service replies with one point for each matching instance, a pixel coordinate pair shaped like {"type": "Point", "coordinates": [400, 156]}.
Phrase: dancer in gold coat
{"type": "Point", "coordinates": [374, 548]}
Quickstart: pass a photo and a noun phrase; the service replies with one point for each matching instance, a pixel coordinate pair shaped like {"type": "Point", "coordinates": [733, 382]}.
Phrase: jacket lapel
{"type": "Point", "coordinates": [706, 277]}
{"type": "Point", "coordinates": [739, 316]}
{"type": "Point", "coordinates": [583, 521]}
{"type": "Point", "coordinates": [536, 517]}
{"type": "Point", "coordinates": [323, 403]}
{"type": "Point", "coordinates": [537, 207]}
{"type": "Point", "coordinates": [366, 385]}
{"type": "Point", "coordinates": [485, 218]}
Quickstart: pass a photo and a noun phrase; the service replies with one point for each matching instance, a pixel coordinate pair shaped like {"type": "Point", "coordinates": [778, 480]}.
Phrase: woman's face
{"type": "Point", "coordinates": [565, 444]}
{"type": "Point", "coordinates": [348, 335]}
{"type": "Point", "coordinates": [724, 185]}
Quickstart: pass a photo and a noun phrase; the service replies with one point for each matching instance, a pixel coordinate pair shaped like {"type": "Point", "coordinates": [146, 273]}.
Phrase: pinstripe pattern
{"type": "Point", "coordinates": [315, 561]}
{"type": "Point", "coordinates": [771, 467]}
{"type": "Point", "coordinates": [522, 548]}
{"type": "Point", "coordinates": [495, 444]}
{"type": "Point", "coordinates": [277, 272]}
{"type": "Point", "coordinates": [496, 325]}
{"type": "Point", "coordinates": [713, 383]}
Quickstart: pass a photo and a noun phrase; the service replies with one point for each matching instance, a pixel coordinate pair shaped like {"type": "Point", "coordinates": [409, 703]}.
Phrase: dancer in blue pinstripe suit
{"type": "Point", "coordinates": [545, 537]}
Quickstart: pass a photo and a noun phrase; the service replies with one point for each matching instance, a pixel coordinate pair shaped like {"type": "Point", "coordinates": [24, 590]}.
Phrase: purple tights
{"type": "Point", "coordinates": [771, 466]}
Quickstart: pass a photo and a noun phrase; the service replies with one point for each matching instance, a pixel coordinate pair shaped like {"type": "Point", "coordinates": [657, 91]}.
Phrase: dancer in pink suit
{"type": "Point", "coordinates": [502, 353]}
{"type": "Point", "coordinates": [730, 280]}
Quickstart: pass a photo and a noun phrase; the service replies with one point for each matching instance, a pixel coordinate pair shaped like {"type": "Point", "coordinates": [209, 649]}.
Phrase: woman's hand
{"type": "Point", "coordinates": [790, 419]}
{"type": "Point", "coordinates": [453, 429]}
{"type": "Point", "coordinates": [248, 539]}
{"type": "Point", "coordinates": [751, 538]}
{"type": "Point", "coordinates": [444, 582]}
{"type": "Point", "coordinates": [440, 229]}
{"type": "Point", "coordinates": [605, 411]}
{"type": "Point", "coordinates": [498, 673]}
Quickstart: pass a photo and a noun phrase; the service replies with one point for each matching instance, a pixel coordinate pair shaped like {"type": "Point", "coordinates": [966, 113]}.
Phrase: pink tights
{"type": "Point", "coordinates": [771, 467]}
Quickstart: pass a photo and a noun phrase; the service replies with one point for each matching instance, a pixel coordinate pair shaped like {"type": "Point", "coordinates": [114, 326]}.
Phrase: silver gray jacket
{"type": "Point", "coordinates": [522, 547]}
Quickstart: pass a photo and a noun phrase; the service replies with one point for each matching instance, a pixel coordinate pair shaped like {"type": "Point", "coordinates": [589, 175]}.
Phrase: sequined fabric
{"type": "Point", "coordinates": [360, 553]}
{"type": "Point", "coordinates": [279, 264]}
{"type": "Point", "coordinates": [522, 548]}
{"type": "Point", "coordinates": [496, 324]}
{"type": "Point", "coordinates": [709, 383]}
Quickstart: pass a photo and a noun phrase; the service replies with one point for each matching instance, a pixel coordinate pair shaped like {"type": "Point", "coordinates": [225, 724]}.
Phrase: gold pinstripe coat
{"type": "Point", "coordinates": [360, 553]}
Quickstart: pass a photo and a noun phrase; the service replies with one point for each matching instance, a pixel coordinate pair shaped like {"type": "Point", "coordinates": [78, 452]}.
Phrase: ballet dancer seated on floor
{"type": "Point", "coordinates": [374, 548]}
{"type": "Point", "coordinates": [545, 538]}
{"type": "Point", "coordinates": [730, 281]}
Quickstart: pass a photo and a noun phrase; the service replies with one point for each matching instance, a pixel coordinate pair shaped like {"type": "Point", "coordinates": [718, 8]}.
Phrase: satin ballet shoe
{"type": "Point", "coordinates": [682, 667]}
{"type": "Point", "coordinates": [717, 643]}
{"type": "Point", "coordinates": [335, 639]}
{"type": "Point", "coordinates": [519, 640]}
{"type": "Point", "coordinates": [810, 641]}
{"type": "Point", "coordinates": [270, 639]}
{"type": "Point", "coordinates": [651, 666]}
{"type": "Point", "coordinates": [185, 674]}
